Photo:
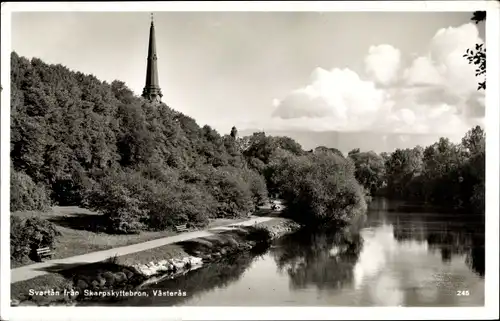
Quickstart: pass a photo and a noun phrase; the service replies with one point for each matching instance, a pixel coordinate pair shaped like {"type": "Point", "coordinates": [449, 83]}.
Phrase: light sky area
{"type": "Point", "coordinates": [382, 74]}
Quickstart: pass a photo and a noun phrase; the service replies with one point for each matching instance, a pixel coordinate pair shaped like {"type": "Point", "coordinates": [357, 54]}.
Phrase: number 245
{"type": "Point", "coordinates": [463, 293]}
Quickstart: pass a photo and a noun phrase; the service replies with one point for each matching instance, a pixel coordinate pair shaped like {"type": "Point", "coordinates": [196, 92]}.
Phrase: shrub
{"type": "Point", "coordinates": [318, 188]}
{"type": "Point", "coordinates": [30, 234]}
{"type": "Point", "coordinates": [132, 201]}
{"type": "Point", "coordinates": [256, 164]}
{"type": "Point", "coordinates": [177, 204]}
{"type": "Point", "coordinates": [19, 245]}
{"type": "Point", "coordinates": [257, 185]}
{"type": "Point", "coordinates": [231, 192]}
{"type": "Point", "coordinates": [70, 191]}
{"type": "Point", "coordinates": [26, 195]}
{"type": "Point", "coordinates": [115, 196]}
{"type": "Point", "coordinates": [40, 232]}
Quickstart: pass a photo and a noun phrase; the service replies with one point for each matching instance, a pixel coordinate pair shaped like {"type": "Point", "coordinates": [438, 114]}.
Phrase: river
{"type": "Point", "coordinates": [399, 257]}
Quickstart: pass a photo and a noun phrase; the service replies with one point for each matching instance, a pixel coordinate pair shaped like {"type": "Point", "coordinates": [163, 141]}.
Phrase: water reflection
{"type": "Point", "coordinates": [310, 257]}
{"type": "Point", "coordinates": [397, 257]}
{"type": "Point", "coordinates": [452, 234]}
{"type": "Point", "coordinates": [420, 259]}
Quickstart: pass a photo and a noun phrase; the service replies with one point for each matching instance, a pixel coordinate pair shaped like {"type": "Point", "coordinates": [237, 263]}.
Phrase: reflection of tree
{"type": "Point", "coordinates": [475, 258]}
{"type": "Point", "coordinates": [323, 258]}
{"type": "Point", "coordinates": [205, 279]}
{"type": "Point", "coordinates": [452, 235]}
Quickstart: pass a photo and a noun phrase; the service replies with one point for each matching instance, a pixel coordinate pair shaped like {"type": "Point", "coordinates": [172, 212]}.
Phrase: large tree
{"type": "Point", "coordinates": [402, 167]}
{"type": "Point", "coordinates": [370, 169]}
{"type": "Point", "coordinates": [318, 188]}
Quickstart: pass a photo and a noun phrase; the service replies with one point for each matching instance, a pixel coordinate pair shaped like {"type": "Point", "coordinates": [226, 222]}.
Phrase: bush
{"type": "Point", "coordinates": [25, 195]}
{"type": "Point", "coordinates": [30, 234]}
{"type": "Point", "coordinates": [257, 185]}
{"type": "Point", "coordinates": [40, 232]}
{"type": "Point", "coordinates": [188, 188]}
{"type": "Point", "coordinates": [318, 188]}
{"type": "Point", "coordinates": [256, 164]}
{"type": "Point", "coordinates": [177, 204]}
{"type": "Point", "coordinates": [70, 191]}
{"type": "Point", "coordinates": [231, 192]}
{"type": "Point", "coordinates": [115, 196]}
{"type": "Point", "coordinates": [19, 245]}
{"type": "Point", "coordinates": [132, 201]}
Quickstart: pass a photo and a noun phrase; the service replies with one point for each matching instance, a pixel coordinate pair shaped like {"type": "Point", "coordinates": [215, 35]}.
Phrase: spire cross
{"type": "Point", "coordinates": [152, 17]}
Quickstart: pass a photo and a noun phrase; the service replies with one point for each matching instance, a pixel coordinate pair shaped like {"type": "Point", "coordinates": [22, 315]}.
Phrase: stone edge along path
{"type": "Point", "coordinates": [33, 270]}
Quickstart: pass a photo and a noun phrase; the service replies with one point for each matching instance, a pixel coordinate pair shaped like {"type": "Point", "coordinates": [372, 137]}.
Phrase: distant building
{"type": "Point", "coordinates": [152, 91]}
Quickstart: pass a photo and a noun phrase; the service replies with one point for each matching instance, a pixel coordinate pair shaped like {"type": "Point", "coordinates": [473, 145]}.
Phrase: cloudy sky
{"type": "Point", "coordinates": [379, 73]}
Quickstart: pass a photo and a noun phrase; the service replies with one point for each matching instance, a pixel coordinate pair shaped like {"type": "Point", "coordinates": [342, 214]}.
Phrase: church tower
{"type": "Point", "coordinates": [152, 91]}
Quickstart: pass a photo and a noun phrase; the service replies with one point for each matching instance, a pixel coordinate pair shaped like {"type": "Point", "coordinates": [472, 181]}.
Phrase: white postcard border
{"type": "Point", "coordinates": [490, 310]}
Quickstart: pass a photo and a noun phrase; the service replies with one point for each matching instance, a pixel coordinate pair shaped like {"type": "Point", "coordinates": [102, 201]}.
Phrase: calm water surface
{"type": "Point", "coordinates": [397, 258]}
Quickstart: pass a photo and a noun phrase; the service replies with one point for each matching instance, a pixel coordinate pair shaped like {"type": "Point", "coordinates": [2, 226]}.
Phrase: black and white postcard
{"type": "Point", "coordinates": [250, 160]}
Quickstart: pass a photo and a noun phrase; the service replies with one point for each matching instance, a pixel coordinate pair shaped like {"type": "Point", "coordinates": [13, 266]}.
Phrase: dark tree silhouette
{"type": "Point", "coordinates": [234, 132]}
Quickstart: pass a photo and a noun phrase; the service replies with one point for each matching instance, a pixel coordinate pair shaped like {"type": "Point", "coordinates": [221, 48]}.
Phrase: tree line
{"type": "Point", "coordinates": [79, 141]}
{"type": "Point", "coordinates": [76, 140]}
{"type": "Point", "coordinates": [443, 174]}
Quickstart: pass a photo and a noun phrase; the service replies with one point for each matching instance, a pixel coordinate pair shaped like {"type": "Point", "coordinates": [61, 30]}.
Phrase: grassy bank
{"type": "Point", "coordinates": [126, 272]}
{"type": "Point", "coordinates": [81, 232]}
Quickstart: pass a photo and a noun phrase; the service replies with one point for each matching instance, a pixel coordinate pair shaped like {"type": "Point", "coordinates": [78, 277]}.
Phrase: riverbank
{"type": "Point", "coordinates": [66, 285]}
{"type": "Point", "coordinates": [82, 232]}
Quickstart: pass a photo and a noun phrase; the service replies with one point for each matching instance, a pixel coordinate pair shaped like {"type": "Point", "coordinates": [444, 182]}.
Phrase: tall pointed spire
{"type": "Point", "coordinates": [152, 91]}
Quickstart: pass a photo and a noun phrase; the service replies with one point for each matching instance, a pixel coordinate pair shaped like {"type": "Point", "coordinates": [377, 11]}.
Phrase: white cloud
{"type": "Point", "coordinates": [423, 72]}
{"type": "Point", "coordinates": [435, 94]}
{"type": "Point", "coordinates": [382, 63]}
{"type": "Point", "coordinates": [445, 64]}
{"type": "Point", "coordinates": [331, 96]}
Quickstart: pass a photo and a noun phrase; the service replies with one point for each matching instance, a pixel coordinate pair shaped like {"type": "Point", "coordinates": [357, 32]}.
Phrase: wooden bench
{"type": "Point", "coordinates": [43, 252]}
{"type": "Point", "coordinates": [181, 228]}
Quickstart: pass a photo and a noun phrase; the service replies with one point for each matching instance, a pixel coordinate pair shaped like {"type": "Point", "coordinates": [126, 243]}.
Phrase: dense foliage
{"type": "Point", "coordinates": [444, 173]}
{"type": "Point", "coordinates": [28, 235]}
{"type": "Point", "coordinates": [79, 141]}
{"type": "Point", "coordinates": [318, 187]}
{"type": "Point", "coordinates": [26, 195]}
{"type": "Point", "coordinates": [94, 144]}
{"type": "Point", "coordinates": [83, 142]}
{"type": "Point", "coordinates": [370, 169]}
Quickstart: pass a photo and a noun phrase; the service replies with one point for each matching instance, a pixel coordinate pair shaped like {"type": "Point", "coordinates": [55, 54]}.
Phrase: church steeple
{"type": "Point", "coordinates": [152, 91]}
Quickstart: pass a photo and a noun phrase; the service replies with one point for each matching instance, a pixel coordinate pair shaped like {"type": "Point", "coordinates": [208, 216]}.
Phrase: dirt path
{"type": "Point", "coordinates": [31, 271]}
